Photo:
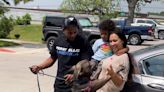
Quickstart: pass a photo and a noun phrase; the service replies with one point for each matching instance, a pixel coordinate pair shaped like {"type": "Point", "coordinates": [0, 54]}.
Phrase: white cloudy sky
{"type": "Point", "coordinates": [54, 4]}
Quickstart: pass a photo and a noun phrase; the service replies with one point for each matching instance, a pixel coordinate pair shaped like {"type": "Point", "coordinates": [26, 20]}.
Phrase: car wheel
{"type": "Point", "coordinates": [134, 39]}
{"type": "Point", "coordinates": [161, 35]}
{"type": "Point", "coordinates": [92, 41]}
{"type": "Point", "coordinates": [50, 42]}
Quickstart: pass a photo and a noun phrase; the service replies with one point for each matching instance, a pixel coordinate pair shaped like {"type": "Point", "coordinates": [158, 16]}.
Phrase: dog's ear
{"type": "Point", "coordinates": [71, 70]}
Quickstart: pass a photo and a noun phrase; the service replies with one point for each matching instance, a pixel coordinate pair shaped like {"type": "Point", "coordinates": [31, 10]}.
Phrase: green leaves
{"type": "Point", "coordinates": [18, 1]}
{"type": "Point", "coordinates": [6, 26]}
{"type": "Point", "coordinates": [99, 7]}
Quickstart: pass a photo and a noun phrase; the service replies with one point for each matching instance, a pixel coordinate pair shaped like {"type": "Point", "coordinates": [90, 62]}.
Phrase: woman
{"type": "Point", "coordinates": [116, 67]}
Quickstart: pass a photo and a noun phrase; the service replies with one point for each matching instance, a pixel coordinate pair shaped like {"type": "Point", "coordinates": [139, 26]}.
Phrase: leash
{"type": "Point", "coordinates": [41, 72]}
{"type": "Point", "coordinates": [38, 83]}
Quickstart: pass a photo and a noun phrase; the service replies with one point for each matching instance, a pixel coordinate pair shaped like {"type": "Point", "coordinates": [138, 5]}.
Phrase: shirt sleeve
{"type": "Point", "coordinates": [53, 52]}
{"type": "Point", "coordinates": [125, 71]}
{"type": "Point", "coordinates": [87, 51]}
{"type": "Point", "coordinates": [95, 46]}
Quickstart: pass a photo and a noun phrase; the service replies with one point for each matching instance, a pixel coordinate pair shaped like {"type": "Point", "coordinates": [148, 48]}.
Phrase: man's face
{"type": "Point", "coordinates": [71, 33]}
{"type": "Point", "coordinates": [104, 35]}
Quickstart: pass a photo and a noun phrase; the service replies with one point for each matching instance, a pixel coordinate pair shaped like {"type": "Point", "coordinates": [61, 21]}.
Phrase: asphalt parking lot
{"type": "Point", "coordinates": [16, 76]}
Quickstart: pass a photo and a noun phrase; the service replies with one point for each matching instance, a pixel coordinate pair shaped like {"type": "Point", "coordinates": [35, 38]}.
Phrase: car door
{"type": "Point", "coordinates": [152, 78]}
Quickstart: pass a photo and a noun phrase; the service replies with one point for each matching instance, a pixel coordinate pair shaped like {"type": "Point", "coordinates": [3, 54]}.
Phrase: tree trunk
{"type": "Point", "coordinates": [131, 6]}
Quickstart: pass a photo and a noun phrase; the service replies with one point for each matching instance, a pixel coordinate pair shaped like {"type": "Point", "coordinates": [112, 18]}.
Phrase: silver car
{"type": "Point", "coordinates": [148, 70]}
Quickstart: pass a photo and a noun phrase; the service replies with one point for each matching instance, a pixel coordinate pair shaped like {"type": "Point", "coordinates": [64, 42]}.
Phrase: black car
{"type": "Point", "coordinates": [148, 70]}
{"type": "Point", "coordinates": [53, 26]}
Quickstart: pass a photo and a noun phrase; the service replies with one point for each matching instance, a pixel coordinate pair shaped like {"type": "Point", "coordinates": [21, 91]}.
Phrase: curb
{"type": "Point", "coordinates": [20, 41]}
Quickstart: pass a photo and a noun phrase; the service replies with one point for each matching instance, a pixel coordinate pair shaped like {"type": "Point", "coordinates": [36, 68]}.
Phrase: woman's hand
{"type": "Point", "coordinates": [110, 71]}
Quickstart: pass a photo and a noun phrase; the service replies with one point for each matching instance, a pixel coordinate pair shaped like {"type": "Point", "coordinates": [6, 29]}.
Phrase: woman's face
{"type": "Point", "coordinates": [115, 42]}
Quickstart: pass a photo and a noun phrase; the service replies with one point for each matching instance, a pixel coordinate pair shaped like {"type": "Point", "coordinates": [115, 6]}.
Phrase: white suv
{"type": "Point", "coordinates": [159, 32]}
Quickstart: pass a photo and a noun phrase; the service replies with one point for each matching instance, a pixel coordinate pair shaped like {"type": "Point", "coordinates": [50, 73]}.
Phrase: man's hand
{"type": "Point", "coordinates": [35, 69]}
{"type": "Point", "coordinates": [68, 78]}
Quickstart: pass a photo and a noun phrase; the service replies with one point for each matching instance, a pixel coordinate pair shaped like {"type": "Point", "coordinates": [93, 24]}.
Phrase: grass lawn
{"type": "Point", "coordinates": [27, 33]}
{"type": "Point", "coordinates": [5, 43]}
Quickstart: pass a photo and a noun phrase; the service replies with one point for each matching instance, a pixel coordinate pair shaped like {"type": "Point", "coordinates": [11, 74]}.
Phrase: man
{"type": "Point", "coordinates": [69, 49]}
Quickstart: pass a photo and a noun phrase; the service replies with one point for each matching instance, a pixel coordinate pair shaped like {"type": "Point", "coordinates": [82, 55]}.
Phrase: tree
{"type": "Point", "coordinates": [2, 9]}
{"type": "Point", "coordinates": [100, 7]}
{"type": "Point", "coordinates": [3, 2]}
{"type": "Point", "coordinates": [6, 24]}
{"type": "Point", "coordinates": [135, 4]}
{"type": "Point", "coordinates": [16, 1]}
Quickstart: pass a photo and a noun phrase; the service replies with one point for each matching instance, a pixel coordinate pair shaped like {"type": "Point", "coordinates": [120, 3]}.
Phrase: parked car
{"type": "Point", "coordinates": [148, 70]}
{"type": "Point", "coordinates": [53, 26]}
{"type": "Point", "coordinates": [158, 33]}
{"type": "Point", "coordinates": [135, 34]}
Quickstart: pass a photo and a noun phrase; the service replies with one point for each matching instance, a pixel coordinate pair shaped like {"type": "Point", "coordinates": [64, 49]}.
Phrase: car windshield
{"type": "Point", "coordinates": [157, 22]}
{"type": "Point", "coordinates": [84, 22]}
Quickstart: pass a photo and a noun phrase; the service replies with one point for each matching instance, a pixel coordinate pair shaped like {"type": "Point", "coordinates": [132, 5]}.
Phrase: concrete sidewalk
{"type": "Point", "coordinates": [15, 62]}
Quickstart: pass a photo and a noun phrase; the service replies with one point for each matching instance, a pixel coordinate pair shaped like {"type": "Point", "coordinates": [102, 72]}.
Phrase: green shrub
{"type": "Point", "coordinates": [12, 20]}
{"type": "Point", "coordinates": [24, 20]}
{"type": "Point", "coordinates": [17, 36]}
{"type": "Point", "coordinates": [6, 26]}
{"type": "Point", "coordinates": [19, 21]}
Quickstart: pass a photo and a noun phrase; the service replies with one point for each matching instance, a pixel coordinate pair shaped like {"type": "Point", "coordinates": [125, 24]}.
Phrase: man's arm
{"type": "Point", "coordinates": [122, 51]}
{"type": "Point", "coordinates": [86, 51]}
{"type": "Point", "coordinates": [47, 63]}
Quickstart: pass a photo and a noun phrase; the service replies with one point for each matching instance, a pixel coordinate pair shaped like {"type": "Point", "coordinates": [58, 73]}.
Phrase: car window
{"type": "Point", "coordinates": [157, 22]}
{"type": "Point", "coordinates": [54, 21]}
{"type": "Point", "coordinates": [150, 22]}
{"type": "Point", "coordinates": [155, 65]}
{"type": "Point", "coordinates": [140, 21]}
{"type": "Point", "coordinates": [85, 22]}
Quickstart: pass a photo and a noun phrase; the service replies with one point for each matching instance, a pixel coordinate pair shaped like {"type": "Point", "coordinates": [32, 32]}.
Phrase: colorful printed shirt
{"type": "Point", "coordinates": [101, 50]}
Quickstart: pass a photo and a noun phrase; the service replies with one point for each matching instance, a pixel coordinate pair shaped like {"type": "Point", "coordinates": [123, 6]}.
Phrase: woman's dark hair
{"type": "Point", "coordinates": [131, 70]}
{"type": "Point", "coordinates": [107, 25]}
{"type": "Point", "coordinates": [121, 35]}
